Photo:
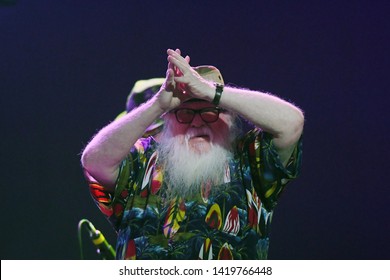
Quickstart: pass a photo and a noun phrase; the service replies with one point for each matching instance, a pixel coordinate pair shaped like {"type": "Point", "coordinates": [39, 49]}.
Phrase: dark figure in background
{"type": "Point", "coordinates": [201, 188]}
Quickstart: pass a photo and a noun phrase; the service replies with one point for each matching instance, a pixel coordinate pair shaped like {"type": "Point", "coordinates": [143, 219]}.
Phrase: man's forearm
{"type": "Point", "coordinates": [102, 156]}
{"type": "Point", "coordinates": [272, 114]}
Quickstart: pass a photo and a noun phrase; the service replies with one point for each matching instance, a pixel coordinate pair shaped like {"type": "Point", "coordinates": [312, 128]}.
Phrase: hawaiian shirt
{"type": "Point", "coordinates": [231, 223]}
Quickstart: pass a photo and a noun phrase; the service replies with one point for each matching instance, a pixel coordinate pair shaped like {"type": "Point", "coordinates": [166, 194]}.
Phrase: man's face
{"type": "Point", "coordinates": [202, 131]}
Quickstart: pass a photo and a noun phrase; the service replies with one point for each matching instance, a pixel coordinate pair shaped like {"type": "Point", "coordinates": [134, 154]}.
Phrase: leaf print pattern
{"type": "Point", "coordinates": [254, 210]}
{"type": "Point", "coordinates": [130, 251]}
{"type": "Point", "coordinates": [148, 174]}
{"type": "Point", "coordinates": [156, 180]}
{"type": "Point", "coordinates": [176, 214]}
{"type": "Point", "coordinates": [206, 251]}
{"type": "Point", "coordinates": [205, 189]}
{"type": "Point", "coordinates": [101, 197]}
{"type": "Point", "coordinates": [214, 217]}
{"type": "Point", "coordinates": [230, 221]}
{"type": "Point", "coordinates": [225, 253]}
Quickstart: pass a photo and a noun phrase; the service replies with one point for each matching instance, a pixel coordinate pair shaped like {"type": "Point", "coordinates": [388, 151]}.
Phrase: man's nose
{"type": "Point", "coordinates": [197, 121]}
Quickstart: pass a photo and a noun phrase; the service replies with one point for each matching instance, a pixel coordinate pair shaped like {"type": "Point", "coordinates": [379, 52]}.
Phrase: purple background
{"type": "Point", "coordinates": [66, 68]}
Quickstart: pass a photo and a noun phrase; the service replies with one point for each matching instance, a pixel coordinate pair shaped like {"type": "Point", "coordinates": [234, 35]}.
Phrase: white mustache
{"type": "Point", "coordinates": [193, 132]}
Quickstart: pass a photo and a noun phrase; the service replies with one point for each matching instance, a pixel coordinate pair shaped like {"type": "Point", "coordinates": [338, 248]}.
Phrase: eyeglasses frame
{"type": "Point", "coordinates": [198, 111]}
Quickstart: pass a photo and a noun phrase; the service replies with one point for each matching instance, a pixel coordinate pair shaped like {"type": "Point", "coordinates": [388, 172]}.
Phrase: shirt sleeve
{"type": "Point", "coordinates": [269, 175]}
{"type": "Point", "coordinates": [113, 203]}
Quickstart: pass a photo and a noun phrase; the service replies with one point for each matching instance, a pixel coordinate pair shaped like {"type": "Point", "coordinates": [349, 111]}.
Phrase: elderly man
{"type": "Point", "coordinates": [200, 189]}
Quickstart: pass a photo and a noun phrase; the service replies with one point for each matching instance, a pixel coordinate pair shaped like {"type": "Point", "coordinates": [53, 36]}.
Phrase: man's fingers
{"type": "Point", "coordinates": [169, 74]}
{"type": "Point", "coordinates": [175, 68]}
{"type": "Point", "coordinates": [180, 80]}
{"type": "Point", "coordinates": [176, 55]}
{"type": "Point", "coordinates": [169, 84]}
{"type": "Point", "coordinates": [183, 67]}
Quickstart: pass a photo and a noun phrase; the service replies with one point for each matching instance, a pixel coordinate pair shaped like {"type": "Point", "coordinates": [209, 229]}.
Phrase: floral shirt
{"type": "Point", "coordinates": [232, 223]}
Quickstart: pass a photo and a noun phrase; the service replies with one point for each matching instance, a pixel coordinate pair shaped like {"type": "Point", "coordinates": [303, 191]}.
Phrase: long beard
{"type": "Point", "coordinates": [186, 170]}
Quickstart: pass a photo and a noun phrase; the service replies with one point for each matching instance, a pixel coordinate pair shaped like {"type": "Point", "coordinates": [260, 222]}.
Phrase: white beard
{"type": "Point", "coordinates": [185, 170]}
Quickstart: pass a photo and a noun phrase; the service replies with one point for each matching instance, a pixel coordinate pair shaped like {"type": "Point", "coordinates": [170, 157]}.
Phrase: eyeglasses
{"type": "Point", "coordinates": [208, 115]}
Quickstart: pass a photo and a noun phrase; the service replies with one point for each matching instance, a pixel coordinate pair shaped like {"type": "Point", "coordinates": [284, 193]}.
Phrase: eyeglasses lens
{"type": "Point", "coordinates": [208, 115]}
